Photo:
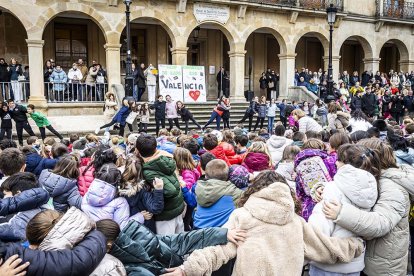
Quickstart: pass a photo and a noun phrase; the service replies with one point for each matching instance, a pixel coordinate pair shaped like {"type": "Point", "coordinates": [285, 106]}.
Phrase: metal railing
{"type": "Point", "coordinates": [16, 90]}
{"type": "Point", "coordinates": [396, 9]}
{"type": "Point", "coordinates": [55, 92]}
{"type": "Point", "coordinates": [306, 4]}
{"type": "Point", "coordinates": [75, 92]}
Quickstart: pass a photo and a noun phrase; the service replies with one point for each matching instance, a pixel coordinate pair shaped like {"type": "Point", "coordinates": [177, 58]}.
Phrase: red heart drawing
{"type": "Point", "coordinates": [194, 94]}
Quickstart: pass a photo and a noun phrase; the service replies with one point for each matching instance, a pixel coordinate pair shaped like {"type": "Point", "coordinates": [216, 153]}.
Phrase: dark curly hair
{"type": "Point", "coordinates": [263, 180]}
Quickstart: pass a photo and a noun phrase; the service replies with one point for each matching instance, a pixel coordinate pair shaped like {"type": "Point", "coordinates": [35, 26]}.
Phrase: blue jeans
{"type": "Point", "coordinates": [270, 121]}
{"type": "Point", "coordinates": [314, 271]}
{"type": "Point", "coordinates": [214, 116]}
{"type": "Point", "coordinates": [135, 92]}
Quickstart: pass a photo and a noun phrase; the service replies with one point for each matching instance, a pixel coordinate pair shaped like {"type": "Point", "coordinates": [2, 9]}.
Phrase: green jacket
{"type": "Point", "coordinates": [164, 167]}
{"type": "Point", "coordinates": [40, 119]}
{"type": "Point", "coordinates": [210, 191]}
{"type": "Point", "coordinates": [145, 254]}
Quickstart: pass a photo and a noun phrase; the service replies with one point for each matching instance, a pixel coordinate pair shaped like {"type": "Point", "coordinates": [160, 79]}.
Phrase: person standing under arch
{"type": "Point", "coordinates": [222, 79]}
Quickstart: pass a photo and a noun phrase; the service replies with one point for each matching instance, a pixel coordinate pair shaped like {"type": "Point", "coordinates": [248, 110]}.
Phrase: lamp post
{"type": "Point", "coordinates": [196, 33]}
{"type": "Point", "coordinates": [331, 17]}
{"type": "Point", "coordinates": [129, 79]}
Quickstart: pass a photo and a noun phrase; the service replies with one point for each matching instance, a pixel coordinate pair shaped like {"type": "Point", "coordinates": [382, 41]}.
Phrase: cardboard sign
{"type": "Point", "coordinates": [171, 81]}
{"type": "Point", "coordinates": [194, 84]}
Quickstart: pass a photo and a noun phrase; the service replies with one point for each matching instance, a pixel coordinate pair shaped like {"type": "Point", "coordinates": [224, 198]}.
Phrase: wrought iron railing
{"type": "Point", "coordinates": [16, 90]}
{"type": "Point", "coordinates": [397, 9]}
{"type": "Point", "coordinates": [306, 4]}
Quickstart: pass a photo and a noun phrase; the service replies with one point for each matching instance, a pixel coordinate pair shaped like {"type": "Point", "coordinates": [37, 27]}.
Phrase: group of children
{"type": "Point", "coordinates": [192, 204]}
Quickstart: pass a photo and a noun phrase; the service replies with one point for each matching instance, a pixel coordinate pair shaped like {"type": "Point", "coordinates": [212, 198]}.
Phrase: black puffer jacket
{"type": "Point", "coordinates": [369, 104]}
{"type": "Point", "coordinates": [4, 73]}
{"type": "Point", "coordinates": [81, 260]}
{"type": "Point", "coordinates": [18, 113]}
{"type": "Point", "coordinates": [143, 253]}
{"type": "Point", "coordinates": [159, 109]}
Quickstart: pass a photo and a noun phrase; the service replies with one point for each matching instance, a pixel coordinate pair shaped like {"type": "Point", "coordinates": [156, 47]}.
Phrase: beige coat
{"type": "Point", "coordinates": [278, 240]}
{"type": "Point", "coordinates": [70, 230]}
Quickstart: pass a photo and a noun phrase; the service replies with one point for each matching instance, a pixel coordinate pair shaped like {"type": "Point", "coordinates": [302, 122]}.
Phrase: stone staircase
{"type": "Point", "coordinates": [89, 117]}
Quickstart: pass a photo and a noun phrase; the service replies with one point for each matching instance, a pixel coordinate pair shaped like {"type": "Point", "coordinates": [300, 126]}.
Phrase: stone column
{"type": "Point", "coordinates": [371, 64]}
{"type": "Point", "coordinates": [113, 63]}
{"type": "Point", "coordinates": [287, 73]}
{"type": "Point", "coordinates": [237, 75]}
{"type": "Point", "coordinates": [179, 55]}
{"type": "Point", "coordinates": [37, 87]}
{"type": "Point", "coordinates": [406, 65]}
{"type": "Point", "coordinates": [335, 66]}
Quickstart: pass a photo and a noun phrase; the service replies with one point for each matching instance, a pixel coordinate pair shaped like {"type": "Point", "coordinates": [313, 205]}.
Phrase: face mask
{"type": "Point", "coordinates": [75, 68]}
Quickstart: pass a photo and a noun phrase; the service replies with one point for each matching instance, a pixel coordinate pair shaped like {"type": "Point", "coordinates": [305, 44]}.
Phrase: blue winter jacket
{"type": "Point", "coordinates": [82, 259]}
{"type": "Point", "coordinates": [36, 164]}
{"type": "Point", "coordinates": [59, 79]}
{"type": "Point", "coordinates": [122, 115]}
{"type": "Point", "coordinates": [215, 215]}
{"type": "Point", "coordinates": [22, 208]}
{"type": "Point", "coordinates": [64, 191]}
{"type": "Point", "coordinates": [24, 201]}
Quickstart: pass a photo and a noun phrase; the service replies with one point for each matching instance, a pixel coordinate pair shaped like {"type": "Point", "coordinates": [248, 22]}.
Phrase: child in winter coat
{"type": "Point", "coordinates": [144, 115]}
{"type": "Point", "coordinates": [120, 117]}
{"type": "Point", "coordinates": [268, 210]}
{"type": "Point", "coordinates": [110, 108]}
{"type": "Point", "coordinates": [312, 165]}
{"type": "Point", "coordinates": [25, 199]}
{"type": "Point", "coordinates": [239, 176]}
{"type": "Point", "coordinates": [354, 183]}
{"type": "Point", "coordinates": [188, 175]}
{"type": "Point", "coordinates": [211, 144]}
{"type": "Point", "coordinates": [42, 122]}
{"type": "Point", "coordinates": [103, 155]}
{"type": "Point", "coordinates": [134, 114]}
{"type": "Point", "coordinates": [50, 231]}
{"type": "Point", "coordinates": [257, 158]}
{"type": "Point", "coordinates": [186, 115]}
{"type": "Point", "coordinates": [261, 113]}
{"type": "Point", "coordinates": [286, 167]}
{"type": "Point", "coordinates": [6, 122]}
{"type": "Point", "coordinates": [144, 198]}
{"type": "Point", "coordinates": [228, 143]}
{"type": "Point", "coordinates": [61, 183]}
{"type": "Point", "coordinates": [102, 201]}
{"type": "Point", "coordinates": [271, 114]}
{"type": "Point", "coordinates": [216, 197]}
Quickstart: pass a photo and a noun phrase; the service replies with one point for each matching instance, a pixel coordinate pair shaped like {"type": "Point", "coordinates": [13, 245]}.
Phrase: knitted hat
{"type": "Point", "coordinates": [132, 138]}
{"type": "Point", "coordinates": [239, 176]}
{"type": "Point", "coordinates": [218, 135]}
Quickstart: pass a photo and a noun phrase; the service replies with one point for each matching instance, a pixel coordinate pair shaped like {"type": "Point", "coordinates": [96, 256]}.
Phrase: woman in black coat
{"type": "Point", "coordinates": [397, 108]}
{"type": "Point", "coordinates": [250, 111]}
{"type": "Point", "coordinates": [186, 115]}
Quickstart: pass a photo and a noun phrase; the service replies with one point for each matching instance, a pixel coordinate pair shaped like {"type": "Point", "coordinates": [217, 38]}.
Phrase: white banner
{"type": "Point", "coordinates": [208, 12]}
{"type": "Point", "coordinates": [194, 83]}
{"type": "Point", "coordinates": [171, 81]}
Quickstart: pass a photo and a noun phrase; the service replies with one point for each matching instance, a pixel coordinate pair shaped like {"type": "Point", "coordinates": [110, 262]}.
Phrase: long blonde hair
{"type": "Point", "coordinates": [183, 159]}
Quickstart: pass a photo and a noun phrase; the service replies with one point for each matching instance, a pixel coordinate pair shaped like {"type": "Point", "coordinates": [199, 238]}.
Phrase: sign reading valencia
{"type": "Point", "coordinates": [206, 12]}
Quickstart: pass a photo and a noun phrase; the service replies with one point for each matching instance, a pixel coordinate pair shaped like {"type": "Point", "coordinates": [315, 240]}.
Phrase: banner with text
{"type": "Point", "coordinates": [171, 81]}
{"type": "Point", "coordinates": [194, 83]}
{"type": "Point", "coordinates": [183, 83]}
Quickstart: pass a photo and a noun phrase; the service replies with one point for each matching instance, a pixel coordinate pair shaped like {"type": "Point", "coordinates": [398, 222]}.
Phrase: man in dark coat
{"type": "Point", "coordinates": [222, 80]}
{"type": "Point", "coordinates": [139, 80]}
{"type": "Point", "coordinates": [366, 78]}
{"type": "Point", "coordinates": [4, 78]}
{"type": "Point", "coordinates": [409, 104]}
{"type": "Point", "coordinates": [369, 103]}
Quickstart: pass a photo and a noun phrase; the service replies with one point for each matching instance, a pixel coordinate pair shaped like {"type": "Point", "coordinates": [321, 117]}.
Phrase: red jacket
{"type": "Point", "coordinates": [228, 149]}
{"type": "Point", "coordinates": [219, 153]}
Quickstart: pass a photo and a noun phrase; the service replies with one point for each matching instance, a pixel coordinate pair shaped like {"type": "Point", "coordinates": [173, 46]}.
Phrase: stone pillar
{"type": "Point", "coordinates": [335, 66]}
{"type": "Point", "coordinates": [287, 73]}
{"type": "Point", "coordinates": [371, 64]}
{"type": "Point", "coordinates": [237, 75]}
{"type": "Point", "coordinates": [37, 87]}
{"type": "Point", "coordinates": [113, 63]}
{"type": "Point", "coordinates": [179, 55]}
{"type": "Point", "coordinates": [406, 65]}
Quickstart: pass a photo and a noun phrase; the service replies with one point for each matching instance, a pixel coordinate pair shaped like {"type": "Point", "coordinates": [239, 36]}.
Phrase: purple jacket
{"type": "Point", "coordinates": [100, 202]}
{"type": "Point", "coordinates": [301, 191]}
{"type": "Point", "coordinates": [256, 162]}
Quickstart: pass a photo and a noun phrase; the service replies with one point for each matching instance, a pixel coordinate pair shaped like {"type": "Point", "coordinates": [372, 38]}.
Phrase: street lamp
{"type": "Point", "coordinates": [196, 33]}
{"type": "Point", "coordinates": [129, 79]}
{"type": "Point", "coordinates": [331, 17]}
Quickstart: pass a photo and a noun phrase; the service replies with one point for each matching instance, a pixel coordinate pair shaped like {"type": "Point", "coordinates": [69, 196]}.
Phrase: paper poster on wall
{"type": "Point", "coordinates": [194, 83]}
{"type": "Point", "coordinates": [171, 81]}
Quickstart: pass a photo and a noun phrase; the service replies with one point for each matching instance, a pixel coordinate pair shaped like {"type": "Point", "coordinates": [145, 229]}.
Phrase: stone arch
{"type": "Point", "coordinates": [228, 31]}
{"type": "Point", "coordinates": [275, 33]}
{"type": "Point", "coordinates": [59, 8]}
{"type": "Point", "coordinates": [13, 9]}
{"type": "Point", "coordinates": [159, 17]}
{"type": "Point", "coordinates": [321, 35]}
{"type": "Point", "coordinates": [366, 46]}
{"type": "Point", "coordinates": [402, 47]}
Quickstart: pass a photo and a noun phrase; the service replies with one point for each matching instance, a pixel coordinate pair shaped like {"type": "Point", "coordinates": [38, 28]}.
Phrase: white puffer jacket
{"type": "Point", "coordinates": [386, 227]}
{"type": "Point", "coordinates": [309, 124]}
{"type": "Point", "coordinates": [276, 146]}
{"type": "Point", "coordinates": [352, 186]}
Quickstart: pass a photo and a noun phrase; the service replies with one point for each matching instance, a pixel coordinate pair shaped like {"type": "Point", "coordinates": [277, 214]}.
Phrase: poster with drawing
{"type": "Point", "coordinates": [194, 84]}
{"type": "Point", "coordinates": [171, 81]}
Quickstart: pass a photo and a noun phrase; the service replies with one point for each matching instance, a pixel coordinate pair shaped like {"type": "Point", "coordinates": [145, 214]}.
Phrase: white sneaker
{"type": "Point", "coordinates": [97, 130]}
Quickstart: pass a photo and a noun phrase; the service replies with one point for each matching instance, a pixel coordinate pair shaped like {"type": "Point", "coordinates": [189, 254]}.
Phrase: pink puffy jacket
{"type": "Point", "coordinates": [190, 177]}
{"type": "Point", "coordinates": [84, 181]}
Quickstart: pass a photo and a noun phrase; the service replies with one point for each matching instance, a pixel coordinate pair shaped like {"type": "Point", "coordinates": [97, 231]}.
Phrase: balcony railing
{"type": "Point", "coordinates": [395, 9]}
{"type": "Point", "coordinates": [305, 4]}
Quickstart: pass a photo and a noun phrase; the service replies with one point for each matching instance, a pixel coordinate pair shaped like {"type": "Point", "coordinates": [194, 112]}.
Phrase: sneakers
{"type": "Point", "coordinates": [97, 130]}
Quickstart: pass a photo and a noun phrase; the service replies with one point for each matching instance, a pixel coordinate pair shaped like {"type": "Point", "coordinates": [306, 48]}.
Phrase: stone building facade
{"type": "Point", "coordinates": [278, 34]}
